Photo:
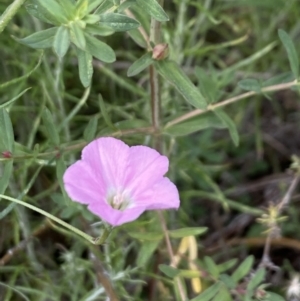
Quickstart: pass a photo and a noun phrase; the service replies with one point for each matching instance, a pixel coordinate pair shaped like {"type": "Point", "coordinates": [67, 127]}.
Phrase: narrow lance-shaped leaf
{"type": "Point", "coordinates": [118, 22]}
{"type": "Point", "coordinates": [61, 41]}
{"type": "Point", "coordinates": [184, 232]}
{"type": "Point", "coordinates": [139, 65]}
{"type": "Point", "coordinates": [211, 267]}
{"type": "Point", "coordinates": [291, 51]}
{"type": "Point", "coordinates": [100, 30]}
{"type": "Point", "coordinates": [196, 124]}
{"type": "Point", "coordinates": [6, 144]}
{"type": "Point", "coordinates": [105, 113]}
{"type": "Point", "coordinates": [153, 9]}
{"type": "Point", "coordinates": [209, 293]}
{"type": "Point", "coordinates": [38, 11]}
{"type": "Point", "coordinates": [90, 130]}
{"type": "Point", "coordinates": [168, 270]}
{"type": "Point", "coordinates": [5, 175]}
{"type": "Point", "coordinates": [93, 4]}
{"type": "Point", "coordinates": [207, 85]}
{"type": "Point", "coordinates": [100, 50]}
{"type": "Point", "coordinates": [250, 84]}
{"type": "Point", "coordinates": [81, 8]}
{"type": "Point", "coordinates": [39, 40]}
{"type": "Point", "coordinates": [50, 127]}
{"type": "Point", "coordinates": [243, 269]}
{"type": "Point", "coordinates": [228, 122]}
{"type": "Point", "coordinates": [6, 132]}
{"type": "Point", "coordinates": [173, 73]}
{"type": "Point", "coordinates": [77, 35]}
{"type": "Point", "coordinates": [55, 10]}
{"type": "Point", "coordinates": [85, 66]}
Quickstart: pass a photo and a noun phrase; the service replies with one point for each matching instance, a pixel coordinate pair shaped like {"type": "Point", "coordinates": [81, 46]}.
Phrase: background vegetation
{"type": "Point", "coordinates": [232, 166]}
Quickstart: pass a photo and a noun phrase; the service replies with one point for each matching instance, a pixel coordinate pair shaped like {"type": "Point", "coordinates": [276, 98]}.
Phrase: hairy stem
{"type": "Point", "coordinates": [230, 101]}
{"type": "Point", "coordinates": [156, 116]}
{"type": "Point", "coordinates": [9, 13]}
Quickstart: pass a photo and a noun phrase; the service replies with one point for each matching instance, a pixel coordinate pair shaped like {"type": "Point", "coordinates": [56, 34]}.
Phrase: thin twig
{"type": "Point", "coordinates": [266, 262]}
{"type": "Point", "coordinates": [231, 100]}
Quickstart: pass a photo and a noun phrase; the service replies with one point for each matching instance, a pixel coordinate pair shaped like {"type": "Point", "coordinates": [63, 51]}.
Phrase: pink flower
{"type": "Point", "coordinates": [118, 182]}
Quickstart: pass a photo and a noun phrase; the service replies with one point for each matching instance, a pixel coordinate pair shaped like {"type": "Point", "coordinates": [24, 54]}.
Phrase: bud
{"type": "Point", "coordinates": [160, 51]}
{"type": "Point", "coordinates": [7, 154]}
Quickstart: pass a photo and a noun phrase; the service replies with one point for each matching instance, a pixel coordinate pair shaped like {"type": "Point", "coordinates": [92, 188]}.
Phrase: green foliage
{"type": "Point", "coordinates": [226, 76]}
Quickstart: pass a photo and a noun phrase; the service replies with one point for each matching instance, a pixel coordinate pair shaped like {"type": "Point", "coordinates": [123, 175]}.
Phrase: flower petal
{"type": "Point", "coordinates": [164, 195]}
{"type": "Point", "coordinates": [115, 217]}
{"type": "Point", "coordinates": [145, 167]}
{"type": "Point", "coordinates": [108, 158]}
{"type": "Point", "coordinates": [81, 183]}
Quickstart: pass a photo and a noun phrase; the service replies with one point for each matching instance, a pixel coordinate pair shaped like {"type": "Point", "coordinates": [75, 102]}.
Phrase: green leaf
{"type": "Point", "coordinates": [173, 73]}
{"type": "Point", "coordinates": [81, 8]}
{"type": "Point", "coordinates": [125, 5]}
{"type": "Point", "coordinates": [60, 170]}
{"type": "Point", "coordinates": [100, 30]}
{"type": "Point", "coordinates": [169, 271]}
{"type": "Point", "coordinates": [38, 11]}
{"type": "Point", "coordinates": [291, 51]}
{"type": "Point", "coordinates": [90, 130]}
{"type": "Point", "coordinates": [227, 280]}
{"type": "Point", "coordinates": [61, 41]}
{"type": "Point", "coordinates": [201, 122]}
{"type": "Point", "coordinates": [85, 65]}
{"type": "Point", "coordinates": [107, 5]}
{"type": "Point", "coordinates": [250, 84]}
{"type": "Point", "coordinates": [77, 35]}
{"type": "Point", "coordinates": [39, 40]}
{"type": "Point", "coordinates": [139, 65]}
{"type": "Point", "coordinates": [258, 277]}
{"type": "Point", "coordinates": [50, 127]}
{"type": "Point", "coordinates": [211, 267]}
{"type": "Point", "coordinates": [189, 274]}
{"type": "Point", "coordinates": [5, 177]}
{"type": "Point", "coordinates": [187, 232]}
{"type": "Point", "coordinates": [93, 4]}
{"type": "Point", "coordinates": [69, 8]}
{"type": "Point", "coordinates": [153, 9]}
{"type": "Point", "coordinates": [148, 236]}
{"type": "Point", "coordinates": [227, 265]}
{"type": "Point", "coordinates": [6, 132]}
{"type": "Point", "coordinates": [132, 124]}
{"type": "Point", "coordinates": [54, 11]}
{"type": "Point", "coordinates": [228, 122]}
{"type": "Point", "coordinates": [118, 22]}
{"type": "Point", "coordinates": [243, 269]}
{"type": "Point", "coordinates": [100, 50]}
{"type": "Point", "coordinates": [207, 86]}
{"type": "Point", "coordinates": [137, 37]}
{"type": "Point", "coordinates": [105, 113]}
{"type": "Point", "coordinates": [209, 293]}
{"type": "Point", "coordinates": [91, 19]}
{"type": "Point", "coordinates": [223, 295]}
{"type": "Point", "coordinates": [274, 297]}
{"type": "Point", "coordinates": [146, 251]}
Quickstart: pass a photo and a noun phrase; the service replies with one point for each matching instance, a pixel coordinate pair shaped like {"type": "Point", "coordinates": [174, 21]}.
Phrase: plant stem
{"type": "Point", "coordinates": [95, 241]}
{"type": "Point", "coordinates": [9, 13]}
{"type": "Point", "coordinates": [229, 101]}
{"type": "Point", "coordinates": [156, 115]}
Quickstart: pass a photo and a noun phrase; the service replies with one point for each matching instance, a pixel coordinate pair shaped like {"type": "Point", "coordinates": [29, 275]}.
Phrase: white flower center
{"type": "Point", "coordinates": [119, 200]}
